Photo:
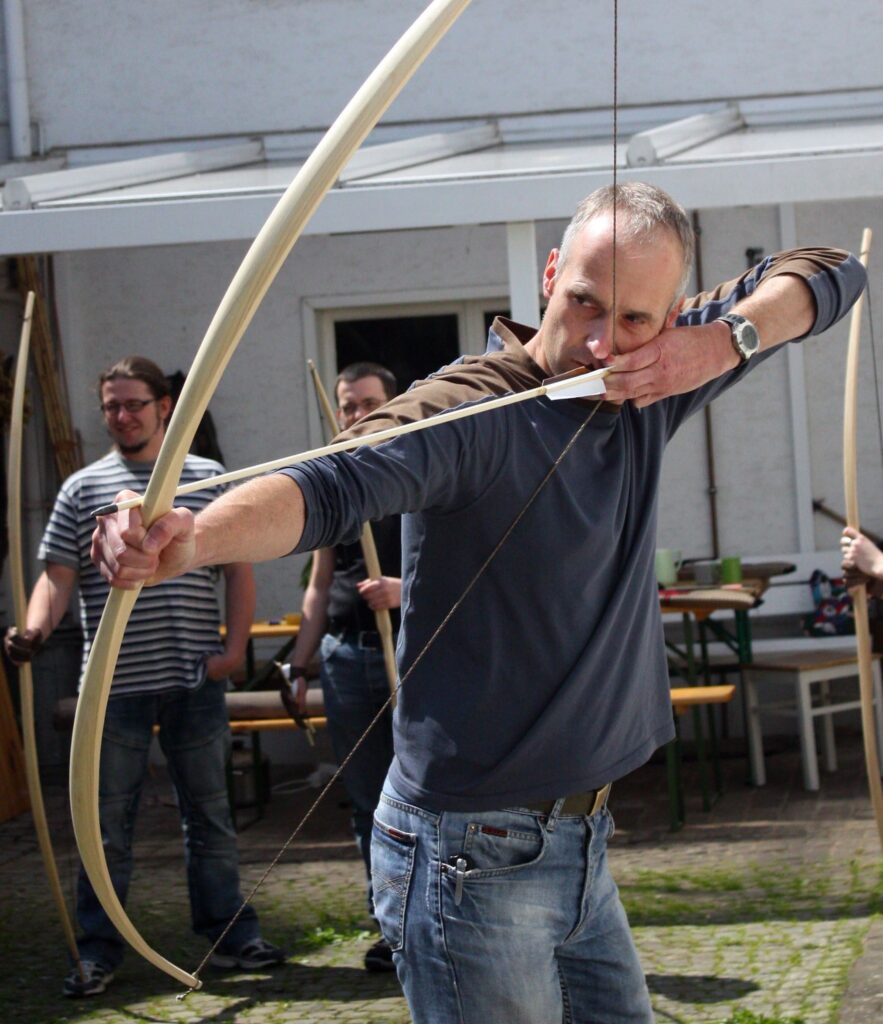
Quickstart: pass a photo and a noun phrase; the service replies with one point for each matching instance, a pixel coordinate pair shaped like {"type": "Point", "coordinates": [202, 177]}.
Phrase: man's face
{"type": "Point", "coordinates": [577, 328]}
{"type": "Point", "coordinates": [357, 398]}
{"type": "Point", "coordinates": [137, 434]}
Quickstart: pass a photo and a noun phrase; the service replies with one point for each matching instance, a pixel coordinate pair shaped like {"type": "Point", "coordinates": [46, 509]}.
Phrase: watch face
{"type": "Point", "coordinates": [745, 336]}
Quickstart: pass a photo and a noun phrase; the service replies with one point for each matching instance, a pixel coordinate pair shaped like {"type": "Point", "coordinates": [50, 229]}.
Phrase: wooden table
{"type": "Point", "coordinates": [698, 603]}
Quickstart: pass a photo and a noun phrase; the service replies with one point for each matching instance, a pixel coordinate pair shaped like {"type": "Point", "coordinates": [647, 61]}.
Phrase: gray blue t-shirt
{"type": "Point", "coordinates": [550, 676]}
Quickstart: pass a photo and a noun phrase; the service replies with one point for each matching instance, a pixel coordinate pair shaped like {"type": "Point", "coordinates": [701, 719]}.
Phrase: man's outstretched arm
{"type": "Point", "coordinates": [259, 521]}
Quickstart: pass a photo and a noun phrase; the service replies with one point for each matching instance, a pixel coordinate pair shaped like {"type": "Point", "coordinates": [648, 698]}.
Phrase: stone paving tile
{"type": "Point", "coordinates": [760, 906]}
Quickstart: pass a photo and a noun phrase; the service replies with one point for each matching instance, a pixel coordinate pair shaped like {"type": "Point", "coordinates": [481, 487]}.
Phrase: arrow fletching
{"type": "Point", "coordinates": [578, 383]}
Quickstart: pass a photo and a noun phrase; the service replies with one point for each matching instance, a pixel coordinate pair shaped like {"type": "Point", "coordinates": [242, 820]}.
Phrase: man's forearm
{"type": "Point", "coordinates": [781, 308]}
{"type": "Point", "coordinates": [256, 522]}
{"type": "Point", "coordinates": [50, 598]}
{"type": "Point", "coordinates": [240, 599]}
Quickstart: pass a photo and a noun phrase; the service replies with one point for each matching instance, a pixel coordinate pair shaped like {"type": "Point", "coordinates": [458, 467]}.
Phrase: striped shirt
{"type": "Point", "coordinates": [174, 626]}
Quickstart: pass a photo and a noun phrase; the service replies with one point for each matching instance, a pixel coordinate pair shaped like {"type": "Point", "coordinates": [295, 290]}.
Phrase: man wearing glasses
{"type": "Point", "coordinates": [172, 671]}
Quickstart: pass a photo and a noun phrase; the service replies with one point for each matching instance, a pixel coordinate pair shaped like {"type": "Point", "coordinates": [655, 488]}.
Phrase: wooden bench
{"type": "Point", "coordinates": [251, 712]}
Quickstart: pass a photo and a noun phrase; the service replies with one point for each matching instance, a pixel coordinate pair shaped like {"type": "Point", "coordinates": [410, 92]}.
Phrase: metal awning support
{"type": "Point", "coordinates": [26, 192]}
{"type": "Point", "coordinates": [394, 156]}
{"type": "Point", "coordinates": [497, 173]}
{"type": "Point", "coordinates": [35, 165]}
{"type": "Point", "coordinates": [657, 144]}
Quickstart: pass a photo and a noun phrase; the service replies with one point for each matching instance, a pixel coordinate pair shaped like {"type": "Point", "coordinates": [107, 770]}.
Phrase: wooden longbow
{"type": "Point", "coordinates": [859, 593]}
{"type": "Point", "coordinates": [369, 548]}
{"type": "Point", "coordinates": [241, 301]}
{"type": "Point", "coordinates": [20, 606]}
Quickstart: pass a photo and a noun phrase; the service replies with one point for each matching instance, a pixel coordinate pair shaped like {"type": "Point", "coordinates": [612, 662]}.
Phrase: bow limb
{"type": "Point", "coordinates": [20, 605]}
{"type": "Point", "coordinates": [249, 285]}
{"type": "Point", "coordinates": [859, 594]}
{"type": "Point", "coordinates": [369, 551]}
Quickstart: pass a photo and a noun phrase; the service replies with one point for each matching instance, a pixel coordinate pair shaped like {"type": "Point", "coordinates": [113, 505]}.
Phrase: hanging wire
{"type": "Point", "coordinates": [615, 161]}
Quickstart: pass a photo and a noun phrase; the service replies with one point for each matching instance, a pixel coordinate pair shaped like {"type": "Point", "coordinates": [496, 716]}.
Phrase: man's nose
{"type": "Point", "coordinates": [600, 338]}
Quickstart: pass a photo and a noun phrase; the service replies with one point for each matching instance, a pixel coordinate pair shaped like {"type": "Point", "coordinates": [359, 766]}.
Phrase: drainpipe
{"type": "Point", "coordinates": [17, 80]}
{"type": "Point", "coordinates": [711, 490]}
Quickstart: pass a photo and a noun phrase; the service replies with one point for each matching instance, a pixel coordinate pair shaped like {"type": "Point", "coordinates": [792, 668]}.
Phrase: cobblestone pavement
{"type": "Point", "coordinates": [757, 912]}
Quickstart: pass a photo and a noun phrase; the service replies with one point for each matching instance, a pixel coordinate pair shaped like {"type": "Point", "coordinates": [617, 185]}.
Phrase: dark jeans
{"type": "Point", "coordinates": [355, 688]}
{"type": "Point", "coordinates": [195, 737]}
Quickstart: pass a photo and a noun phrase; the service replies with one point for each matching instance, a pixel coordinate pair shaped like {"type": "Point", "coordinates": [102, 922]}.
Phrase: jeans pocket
{"type": "Point", "coordinates": [392, 866]}
{"type": "Point", "coordinates": [493, 849]}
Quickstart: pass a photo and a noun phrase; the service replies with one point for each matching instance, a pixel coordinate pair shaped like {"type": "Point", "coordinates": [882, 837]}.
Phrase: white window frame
{"type": "Point", "coordinates": [320, 313]}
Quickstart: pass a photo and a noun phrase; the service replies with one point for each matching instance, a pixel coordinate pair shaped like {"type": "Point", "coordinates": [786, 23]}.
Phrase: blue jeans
{"type": "Point", "coordinates": [532, 933]}
{"type": "Point", "coordinates": [355, 688]}
{"type": "Point", "coordinates": [195, 737]}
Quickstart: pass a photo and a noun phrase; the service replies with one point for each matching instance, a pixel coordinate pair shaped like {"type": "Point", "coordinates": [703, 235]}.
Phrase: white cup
{"type": "Point", "coordinates": [668, 561]}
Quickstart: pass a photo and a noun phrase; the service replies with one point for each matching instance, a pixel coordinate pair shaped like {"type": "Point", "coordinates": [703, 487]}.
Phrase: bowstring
{"type": "Point", "coordinates": [472, 582]}
{"type": "Point", "coordinates": [615, 162]}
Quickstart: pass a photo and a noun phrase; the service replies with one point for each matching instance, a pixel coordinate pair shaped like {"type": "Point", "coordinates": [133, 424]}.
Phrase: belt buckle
{"type": "Point", "coordinates": [363, 642]}
{"type": "Point", "coordinates": [601, 796]}
{"type": "Point", "coordinates": [585, 804]}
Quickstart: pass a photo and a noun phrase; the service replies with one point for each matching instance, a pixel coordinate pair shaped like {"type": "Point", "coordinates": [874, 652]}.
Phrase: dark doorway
{"type": "Point", "coordinates": [411, 346]}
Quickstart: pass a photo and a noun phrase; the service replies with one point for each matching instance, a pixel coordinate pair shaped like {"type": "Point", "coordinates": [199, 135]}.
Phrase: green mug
{"type": "Point", "coordinates": [731, 569]}
{"type": "Point", "coordinates": [668, 561]}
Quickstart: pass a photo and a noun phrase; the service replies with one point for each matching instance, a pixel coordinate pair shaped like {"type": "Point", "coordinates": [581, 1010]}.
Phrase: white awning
{"type": "Point", "coordinates": [487, 173]}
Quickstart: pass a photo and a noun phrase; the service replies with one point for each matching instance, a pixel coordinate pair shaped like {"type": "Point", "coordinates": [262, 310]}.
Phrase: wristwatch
{"type": "Point", "coordinates": [743, 335]}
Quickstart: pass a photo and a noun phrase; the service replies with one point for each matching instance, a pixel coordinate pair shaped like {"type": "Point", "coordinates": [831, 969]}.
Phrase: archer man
{"type": "Point", "coordinates": [532, 529]}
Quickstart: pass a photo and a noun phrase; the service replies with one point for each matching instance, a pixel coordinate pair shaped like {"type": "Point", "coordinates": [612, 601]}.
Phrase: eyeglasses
{"type": "Point", "coordinates": [132, 406]}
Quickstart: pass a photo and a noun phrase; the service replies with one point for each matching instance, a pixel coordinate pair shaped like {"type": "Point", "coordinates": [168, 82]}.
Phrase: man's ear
{"type": "Point", "coordinates": [164, 407]}
{"type": "Point", "coordinates": [550, 274]}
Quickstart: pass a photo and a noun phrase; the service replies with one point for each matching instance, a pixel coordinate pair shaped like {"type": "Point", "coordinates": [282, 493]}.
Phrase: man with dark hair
{"type": "Point", "coordinates": [338, 620]}
{"type": "Point", "coordinates": [531, 652]}
{"type": "Point", "coordinates": [172, 672]}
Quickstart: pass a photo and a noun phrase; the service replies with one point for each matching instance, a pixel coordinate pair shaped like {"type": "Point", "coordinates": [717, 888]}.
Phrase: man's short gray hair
{"type": "Point", "coordinates": [641, 210]}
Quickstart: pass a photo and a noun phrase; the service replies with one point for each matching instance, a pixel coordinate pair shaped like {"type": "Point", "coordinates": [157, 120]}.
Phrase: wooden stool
{"type": "Point", "coordinates": [802, 670]}
{"type": "Point", "coordinates": [683, 698]}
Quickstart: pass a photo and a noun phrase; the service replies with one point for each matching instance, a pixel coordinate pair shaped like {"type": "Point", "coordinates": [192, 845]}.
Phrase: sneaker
{"type": "Point", "coordinates": [379, 957]}
{"type": "Point", "coordinates": [87, 979]}
{"type": "Point", "coordinates": [254, 955]}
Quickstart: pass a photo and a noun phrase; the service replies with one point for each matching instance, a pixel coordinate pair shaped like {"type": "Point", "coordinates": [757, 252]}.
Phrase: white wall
{"type": "Point", "coordinates": [129, 71]}
{"type": "Point", "coordinates": [103, 75]}
{"type": "Point", "coordinates": [159, 301]}
{"type": "Point", "coordinates": [754, 450]}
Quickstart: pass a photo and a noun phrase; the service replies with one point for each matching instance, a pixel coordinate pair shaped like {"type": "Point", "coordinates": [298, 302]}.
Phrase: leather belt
{"type": "Point", "coordinates": [577, 805]}
{"type": "Point", "coordinates": [365, 638]}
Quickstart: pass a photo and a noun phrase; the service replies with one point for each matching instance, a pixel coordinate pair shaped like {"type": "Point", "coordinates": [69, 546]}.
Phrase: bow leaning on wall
{"type": "Point", "coordinates": [241, 301]}
{"type": "Point", "coordinates": [20, 606]}
{"type": "Point", "coordinates": [859, 593]}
